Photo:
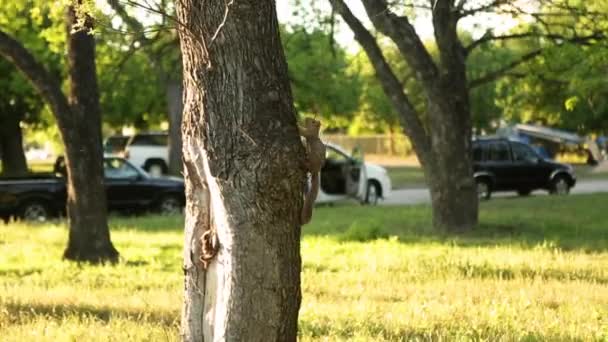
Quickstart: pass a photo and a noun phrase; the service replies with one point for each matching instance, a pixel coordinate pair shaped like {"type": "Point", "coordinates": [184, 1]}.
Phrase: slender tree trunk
{"type": "Point", "coordinates": [80, 127]}
{"type": "Point", "coordinates": [244, 180]}
{"type": "Point", "coordinates": [11, 147]}
{"type": "Point", "coordinates": [89, 238]}
{"type": "Point", "coordinates": [175, 107]}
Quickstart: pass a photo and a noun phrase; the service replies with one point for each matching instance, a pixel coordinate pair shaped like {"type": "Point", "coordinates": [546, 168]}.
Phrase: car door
{"type": "Point", "coordinates": [527, 171]}
{"type": "Point", "coordinates": [125, 186]}
{"type": "Point", "coordinates": [355, 176]}
{"type": "Point", "coordinates": [341, 174]}
{"type": "Point", "coordinates": [498, 162]}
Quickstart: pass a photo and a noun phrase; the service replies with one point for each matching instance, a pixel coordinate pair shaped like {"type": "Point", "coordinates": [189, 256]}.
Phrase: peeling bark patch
{"type": "Point", "coordinates": [240, 139]}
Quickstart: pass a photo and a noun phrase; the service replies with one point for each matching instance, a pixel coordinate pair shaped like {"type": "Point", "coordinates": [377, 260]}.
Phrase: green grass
{"type": "Point", "coordinates": [535, 269]}
{"type": "Point", "coordinates": [403, 177]}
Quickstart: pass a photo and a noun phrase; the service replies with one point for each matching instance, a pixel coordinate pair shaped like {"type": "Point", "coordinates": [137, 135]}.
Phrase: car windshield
{"type": "Point", "coordinates": [116, 168]}
{"type": "Point", "coordinates": [335, 155]}
{"type": "Point", "coordinates": [149, 140]}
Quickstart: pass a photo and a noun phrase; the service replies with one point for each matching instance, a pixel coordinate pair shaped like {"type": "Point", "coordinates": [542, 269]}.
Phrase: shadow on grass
{"type": "Point", "coordinates": [21, 313]}
{"type": "Point", "coordinates": [19, 273]}
{"type": "Point", "coordinates": [565, 223]}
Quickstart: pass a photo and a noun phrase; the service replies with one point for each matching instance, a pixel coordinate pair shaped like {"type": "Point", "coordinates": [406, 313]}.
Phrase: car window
{"type": "Point", "coordinates": [118, 169]}
{"type": "Point", "coordinates": [334, 155]}
{"type": "Point", "coordinates": [150, 140]}
{"type": "Point", "coordinates": [477, 153]}
{"type": "Point", "coordinates": [523, 152]}
{"type": "Point", "coordinates": [115, 144]}
{"type": "Point", "coordinates": [499, 152]}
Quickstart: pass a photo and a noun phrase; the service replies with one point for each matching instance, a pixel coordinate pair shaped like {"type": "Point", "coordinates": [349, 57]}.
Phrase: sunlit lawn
{"type": "Point", "coordinates": [406, 177]}
{"type": "Point", "coordinates": [536, 269]}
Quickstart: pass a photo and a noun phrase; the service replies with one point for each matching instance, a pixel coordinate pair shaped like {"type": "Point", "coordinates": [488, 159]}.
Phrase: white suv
{"type": "Point", "coordinates": [149, 151]}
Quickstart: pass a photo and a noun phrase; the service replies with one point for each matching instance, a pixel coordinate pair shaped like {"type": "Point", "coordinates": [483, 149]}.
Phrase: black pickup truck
{"type": "Point", "coordinates": [128, 188]}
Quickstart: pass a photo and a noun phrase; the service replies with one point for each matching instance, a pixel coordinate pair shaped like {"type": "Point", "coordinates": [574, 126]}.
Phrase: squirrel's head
{"type": "Point", "coordinates": [312, 126]}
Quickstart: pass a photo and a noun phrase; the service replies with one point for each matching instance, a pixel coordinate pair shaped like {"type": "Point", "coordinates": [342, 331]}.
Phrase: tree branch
{"type": "Point", "coordinates": [496, 74]}
{"type": "Point", "coordinates": [483, 8]}
{"type": "Point", "coordinates": [132, 23]}
{"type": "Point", "coordinates": [390, 83]}
{"type": "Point", "coordinates": [402, 32]}
{"type": "Point", "coordinates": [451, 51]}
{"type": "Point", "coordinates": [42, 81]}
{"type": "Point", "coordinates": [556, 37]}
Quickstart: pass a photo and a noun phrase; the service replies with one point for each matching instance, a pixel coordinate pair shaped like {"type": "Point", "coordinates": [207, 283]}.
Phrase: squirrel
{"type": "Point", "coordinates": [315, 159]}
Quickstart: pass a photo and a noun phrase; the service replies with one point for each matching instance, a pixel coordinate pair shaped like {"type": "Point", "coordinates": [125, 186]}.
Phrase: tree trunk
{"type": "Point", "coordinates": [89, 238]}
{"type": "Point", "coordinates": [453, 194]}
{"type": "Point", "coordinates": [11, 148]}
{"type": "Point", "coordinates": [80, 127]}
{"type": "Point", "coordinates": [444, 149]}
{"type": "Point", "coordinates": [244, 177]}
{"type": "Point", "coordinates": [450, 175]}
{"type": "Point", "coordinates": [175, 107]}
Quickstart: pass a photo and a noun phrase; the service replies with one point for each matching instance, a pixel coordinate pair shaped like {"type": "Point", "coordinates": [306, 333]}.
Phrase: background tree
{"type": "Point", "coordinates": [79, 120]}
{"type": "Point", "coordinates": [441, 134]}
{"type": "Point", "coordinates": [19, 104]}
{"type": "Point", "coordinates": [561, 88]}
{"type": "Point", "coordinates": [321, 79]}
{"type": "Point", "coordinates": [160, 45]}
{"type": "Point", "coordinates": [244, 178]}
{"type": "Point", "coordinates": [131, 94]}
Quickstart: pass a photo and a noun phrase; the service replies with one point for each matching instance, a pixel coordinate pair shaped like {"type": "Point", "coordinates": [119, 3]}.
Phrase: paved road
{"type": "Point", "coordinates": [416, 196]}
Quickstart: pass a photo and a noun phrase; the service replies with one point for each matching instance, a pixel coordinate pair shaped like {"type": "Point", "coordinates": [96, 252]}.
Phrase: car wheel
{"type": "Point", "coordinates": [372, 196]}
{"type": "Point", "coordinates": [35, 210]}
{"type": "Point", "coordinates": [560, 186]}
{"type": "Point", "coordinates": [170, 205]}
{"type": "Point", "coordinates": [155, 169]}
{"type": "Point", "coordinates": [524, 192]}
{"type": "Point", "coordinates": [483, 189]}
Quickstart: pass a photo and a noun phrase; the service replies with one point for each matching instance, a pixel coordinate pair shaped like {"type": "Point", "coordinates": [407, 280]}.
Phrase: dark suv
{"type": "Point", "coordinates": [505, 165]}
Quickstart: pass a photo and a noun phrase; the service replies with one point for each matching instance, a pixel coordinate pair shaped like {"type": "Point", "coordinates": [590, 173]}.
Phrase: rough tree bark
{"type": "Point", "coordinates": [244, 178]}
{"type": "Point", "coordinates": [175, 107]}
{"type": "Point", "coordinates": [80, 127]}
{"type": "Point", "coordinates": [11, 147]}
{"type": "Point", "coordinates": [89, 238]}
{"type": "Point", "coordinates": [443, 149]}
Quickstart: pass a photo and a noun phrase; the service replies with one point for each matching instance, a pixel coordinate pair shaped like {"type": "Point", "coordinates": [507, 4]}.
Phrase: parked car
{"type": "Point", "coordinates": [501, 164]}
{"type": "Point", "coordinates": [149, 151]}
{"type": "Point", "coordinates": [128, 188]}
{"type": "Point", "coordinates": [344, 176]}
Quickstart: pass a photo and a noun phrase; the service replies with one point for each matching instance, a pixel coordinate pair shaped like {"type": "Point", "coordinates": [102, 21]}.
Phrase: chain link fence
{"type": "Point", "coordinates": [396, 145]}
